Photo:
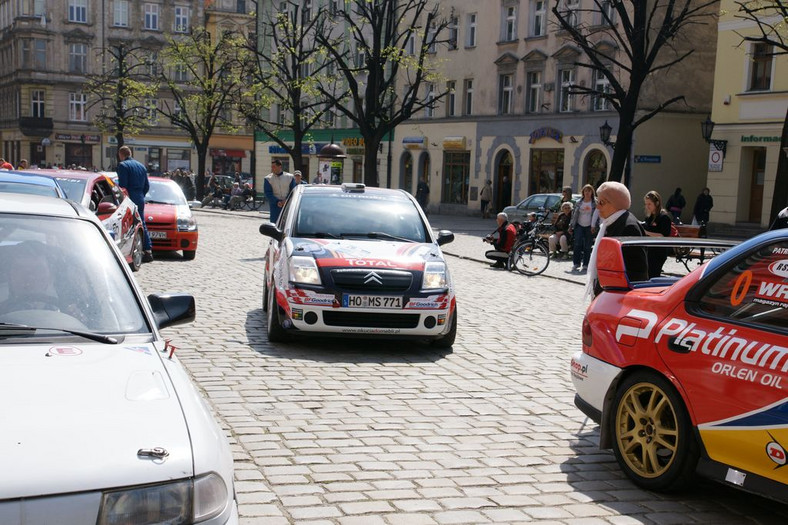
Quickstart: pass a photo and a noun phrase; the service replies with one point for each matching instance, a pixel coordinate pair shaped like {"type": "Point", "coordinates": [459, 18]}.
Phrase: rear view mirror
{"type": "Point", "coordinates": [445, 237]}
{"type": "Point", "coordinates": [106, 208]}
{"type": "Point", "coordinates": [269, 229]}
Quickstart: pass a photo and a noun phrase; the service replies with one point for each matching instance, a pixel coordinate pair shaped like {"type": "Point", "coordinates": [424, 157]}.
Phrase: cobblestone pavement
{"type": "Point", "coordinates": [359, 432]}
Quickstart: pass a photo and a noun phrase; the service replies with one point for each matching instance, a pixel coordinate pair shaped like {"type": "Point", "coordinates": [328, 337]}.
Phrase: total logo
{"type": "Point", "coordinates": [776, 452]}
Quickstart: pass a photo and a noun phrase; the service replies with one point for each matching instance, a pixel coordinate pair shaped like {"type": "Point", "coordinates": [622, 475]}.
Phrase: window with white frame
{"type": "Point", "coordinates": [77, 58]}
{"type": "Point", "coordinates": [538, 17]}
{"type": "Point", "coordinates": [570, 9]}
{"type": "Point", "coordinates": [182, 19]}
{"type": "Point", "coordinates": [454, 32]}
{"type": "Point", "coordinates": [505, 93]}
{"type": "Point", "coordinates": [410, 46]}
{"type": "Point", "coordinates": [451, 98]}
{"type": "Point", "coordinates": [151, 20]}
{"type": "Point", "coordinates": [467, 104]}
{"type": "Point", "coordinates": [533, 94]}
{"type": "Point", "coordinates": [566, 102]}
{"type": "Point", "coordinates": [77, 107]}
{"type": "Point", "coordinates": [509, 25]}
{"type": "Point", "coordinates": [180, 73]}
{"type": "Point", "coordinates": [120, 16]}
{"type": "Point", "coordinates": [78, 11]}
{"type": "Point", "coordinates": [432, 35]}
{"type": "Point", "coordinates": [429, 109]}
{"type": "Point", "coordinates": [39, 7]}
{"type": "Point", "coordinates": [470, 39]}
{"type": "Point", "coordinates": [361, 58]}
{"type": "Point", "coordinates": [601, 85]}
{"type": "Point", "coordinates": [762, 56]}
{"type": "Point", "coordinates": [37, 106]}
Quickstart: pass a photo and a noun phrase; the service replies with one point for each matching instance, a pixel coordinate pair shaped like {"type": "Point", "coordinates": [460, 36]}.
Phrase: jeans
{"type": "Point", "coordinates": [147, 245]}
{"type": "Point", "coordinates": [582, 245]}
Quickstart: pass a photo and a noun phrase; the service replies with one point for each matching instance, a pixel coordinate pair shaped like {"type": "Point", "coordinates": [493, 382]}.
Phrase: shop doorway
{"type": "Point", "coordinates": [547, 171]}
{"type": "Point", "coordinates": [503, 181]}
{"type": "Point", "coordinates": [756, 184]}
{"type": "Point", "coordinates": [596, 168]}
{"type": "Point", "coordinates": [79, 155]}
{"type": "Point", "coordinates": [38, 156]}
{"type": "Point", "coordinates": [358, 170]}
{"type": "Point", "coordinates": [406, 182]}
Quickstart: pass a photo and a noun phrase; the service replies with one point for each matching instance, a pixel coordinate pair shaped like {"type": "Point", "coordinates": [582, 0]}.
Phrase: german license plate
{"type": "Point", "coordinates": [371, 301]}
{"type": "Point", "coordinates": [157, 235]}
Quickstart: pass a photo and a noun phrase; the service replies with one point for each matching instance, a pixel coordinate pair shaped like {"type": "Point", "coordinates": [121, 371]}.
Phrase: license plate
{"type": "Point", "coordinates": [157, 235]}
{"type": "Point", "coordinates": [371, 301]}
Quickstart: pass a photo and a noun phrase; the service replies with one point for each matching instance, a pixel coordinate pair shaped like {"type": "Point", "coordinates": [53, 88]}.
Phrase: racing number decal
{"type": "Point", "coordinates": [740, 287]}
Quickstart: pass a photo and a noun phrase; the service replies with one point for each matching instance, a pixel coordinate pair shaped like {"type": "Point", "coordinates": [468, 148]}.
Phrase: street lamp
{"type": "Point", "coordinates": [706, 129]}
{"type": "Point", "coordinates": [604, 134]}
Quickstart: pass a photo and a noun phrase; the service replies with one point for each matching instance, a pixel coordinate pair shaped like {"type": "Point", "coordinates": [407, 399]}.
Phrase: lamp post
{"type": "Point", "coordinates": [604, 134]}
{"type": "Point", "coordinates": [706, 129]}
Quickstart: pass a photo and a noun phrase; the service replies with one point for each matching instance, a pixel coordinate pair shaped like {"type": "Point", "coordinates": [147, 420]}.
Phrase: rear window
{"type": "Point", "coordinates": [73, 188]}
{"type": "Point", "coordinates": [347, 214]}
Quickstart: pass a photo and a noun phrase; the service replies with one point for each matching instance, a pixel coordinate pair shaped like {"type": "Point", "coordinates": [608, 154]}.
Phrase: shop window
{"type": "Point", "coordinates": [547, 171]}
{"type": "Point", "coordinates": [456, 177]}
{"type": "Point", "coordinates": [596, 168]}
{"type": "Point", "coordinates": [761, 68]}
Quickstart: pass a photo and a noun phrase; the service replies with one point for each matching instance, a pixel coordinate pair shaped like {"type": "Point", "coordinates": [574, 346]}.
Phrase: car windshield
{"type": "Point", "coordinates": [30, 189]}
{"type": "Point", "coordinates": [73, 188]}
{"type": "Point", "coordinates": [359, 215]}
{"type": "Point", "coordinates": [61, 273]}
{"type": "Point", "coordinates": [161, 192]}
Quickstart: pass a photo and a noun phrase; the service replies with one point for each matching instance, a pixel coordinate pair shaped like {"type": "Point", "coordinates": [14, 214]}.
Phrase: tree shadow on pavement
{"type": "Point", "coordinates": [339, 349]}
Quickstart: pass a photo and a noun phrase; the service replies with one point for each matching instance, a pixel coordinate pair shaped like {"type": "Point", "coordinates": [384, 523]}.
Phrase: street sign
{"type": "Point", "coordinates": [715, 158]}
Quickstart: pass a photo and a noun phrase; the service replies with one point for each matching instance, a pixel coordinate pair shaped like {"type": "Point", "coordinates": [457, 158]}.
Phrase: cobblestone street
{"type": "Point", "coordinates": [363, 432]}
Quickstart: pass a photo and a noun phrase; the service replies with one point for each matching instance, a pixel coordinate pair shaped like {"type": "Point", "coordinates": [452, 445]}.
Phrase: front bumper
{"type": "Point", "coordinates": [170, 240]}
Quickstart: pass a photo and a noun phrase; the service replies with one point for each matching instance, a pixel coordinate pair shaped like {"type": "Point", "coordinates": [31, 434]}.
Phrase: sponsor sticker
{"type": "Point", "coordinates": [64, 351]}
{"type": "Point", "coordinates": [776, 452]}
{"type": "Point", "coordinates": [772, 293]}
{"type": "Point", "coordinates": [779, 268]}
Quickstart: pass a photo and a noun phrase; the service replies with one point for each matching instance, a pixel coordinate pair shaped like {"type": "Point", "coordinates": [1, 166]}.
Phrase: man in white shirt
{"type": "Point", "coordinates": [277, 186]}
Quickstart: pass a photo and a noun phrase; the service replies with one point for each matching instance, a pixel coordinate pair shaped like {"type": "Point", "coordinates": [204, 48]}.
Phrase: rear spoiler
{"type": "Point", "coordinates": [611, 271]}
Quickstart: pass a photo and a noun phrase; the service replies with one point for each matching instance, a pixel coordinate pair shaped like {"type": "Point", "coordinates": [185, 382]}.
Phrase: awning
{"type": "Point", "coordinates": [234, 153]}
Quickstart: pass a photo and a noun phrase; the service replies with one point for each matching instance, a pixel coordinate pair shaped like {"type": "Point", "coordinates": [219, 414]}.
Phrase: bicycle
{"type": "Point", "coordinates": [530, 254]}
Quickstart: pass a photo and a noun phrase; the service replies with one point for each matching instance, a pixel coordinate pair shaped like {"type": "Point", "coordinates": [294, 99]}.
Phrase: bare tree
{"type": "Point", "coordinates": [643, 35]}
{"type": "Point", "coordinates": [375, 44]}
{"type": "Point", "coordinates": [770, 17]}
{"type": "Point", "coordinates": [123, 91]}
{"type": "Point", "coordinates": [285, 75]}
{"type": "Point", "coordinates": [203, 77]}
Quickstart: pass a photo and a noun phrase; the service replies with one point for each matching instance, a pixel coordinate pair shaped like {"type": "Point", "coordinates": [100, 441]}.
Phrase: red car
{"type": "Point", "coordinates": [691, 375]}
{"type": "Point", "coordinates": [98, 193]}
{"type": "Point", "coordinates": [171, 224]}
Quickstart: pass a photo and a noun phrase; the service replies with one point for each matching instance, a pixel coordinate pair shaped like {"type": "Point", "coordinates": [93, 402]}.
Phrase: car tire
{"type": "Point", "coordinates": [653, 439]}
{"type": "Point", "coordinates": [448, 340]}
{"type": "Point", "coordinates": [189, 255]}
{"type": "Point", "coordinates": [265, 296]}
{"type": "Point", "coordinates": [136, 252]}
{"type": "Point", "coordinates": [276, 334]}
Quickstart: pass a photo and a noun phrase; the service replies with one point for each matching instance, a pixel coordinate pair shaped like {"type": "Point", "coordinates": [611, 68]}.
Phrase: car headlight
{"type": "Point", "coordinates": [435, 276]}
{"type": "Point", "coordinates": [185, 220]}
{"type": "Point", "coordinates": [303, 270]}
{"type": "Point", "coordinates": [185, 501]}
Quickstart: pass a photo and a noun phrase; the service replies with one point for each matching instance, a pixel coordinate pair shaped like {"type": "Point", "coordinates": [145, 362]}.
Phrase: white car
{"type": "Point", "coordinates": [99, 421]}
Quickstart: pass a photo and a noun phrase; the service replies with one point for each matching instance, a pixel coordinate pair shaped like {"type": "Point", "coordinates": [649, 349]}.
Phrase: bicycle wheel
{"type": "Point", "coordinates": [529, 259]}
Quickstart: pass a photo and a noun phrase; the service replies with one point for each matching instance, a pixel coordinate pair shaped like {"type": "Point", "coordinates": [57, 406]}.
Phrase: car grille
{"type": "Point", "coordinates": [368, 280]}
{"type": "Point", "coordinates": [367, 320]}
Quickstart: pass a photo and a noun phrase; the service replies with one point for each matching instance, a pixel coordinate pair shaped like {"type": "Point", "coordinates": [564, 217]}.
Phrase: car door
{"type": "Point", "coordinates": [118, 218]}
{"type": "Point", "coordinates": [727, 346]}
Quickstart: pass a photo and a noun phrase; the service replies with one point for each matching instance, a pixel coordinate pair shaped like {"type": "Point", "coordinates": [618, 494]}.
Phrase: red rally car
{"type": "Point", "coordinates": [691, 375]}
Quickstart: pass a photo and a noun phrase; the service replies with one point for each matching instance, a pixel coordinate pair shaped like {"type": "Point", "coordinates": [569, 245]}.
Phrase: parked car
{"type": "Point", "coordinates": [171, 224]}
{"type": "Point", "coordinates": [351, 260]}
{"type": "Point", "coordinates": [100, 421]}
{"type": "Point", "coordinates": [690, 375]}
{"type": "Point", "coordinates": [535, 203]}
{"type": "Point", "coordinates": [21, 182]}
{"type": "Point", "coordinates": [100, 194]}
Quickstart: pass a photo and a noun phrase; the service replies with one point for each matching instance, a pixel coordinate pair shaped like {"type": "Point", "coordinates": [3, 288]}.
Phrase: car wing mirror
{"type": "Point", "coordinates": [269, 229]}
{"type": "Point", "coordinates": [445, 237]}
{"type": "Point", "coordinates": [106, 208]}
{"type": "Point", "coordinates": [611, 271]}
{"type": "Point", "coordinates": [172, 309]}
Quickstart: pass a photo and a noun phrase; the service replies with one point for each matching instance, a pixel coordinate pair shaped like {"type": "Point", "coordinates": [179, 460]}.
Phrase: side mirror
{"type": "Point", "coordinates": [269, 229]}
{"type": "Point", "coordinates": [445, 237]}
{"type": "Point", "coordinates": [172, 309]}
{"type": "Point", "coordinates": [611, 271]}
{"type": "Point", "coordinates": [106, 208]}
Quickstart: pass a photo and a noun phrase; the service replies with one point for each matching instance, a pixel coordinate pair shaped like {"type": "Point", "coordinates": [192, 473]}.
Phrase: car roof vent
{"type": "Point", "coordinates": [353, 187]}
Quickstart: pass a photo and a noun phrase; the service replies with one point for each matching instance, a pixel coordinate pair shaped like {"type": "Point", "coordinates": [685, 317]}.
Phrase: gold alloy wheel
{"type": "Point", "coordinates": [647, 431]}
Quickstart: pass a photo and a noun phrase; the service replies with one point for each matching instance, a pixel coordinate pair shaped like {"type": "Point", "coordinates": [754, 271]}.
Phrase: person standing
{"type": "Point", "coordinates": [612, 204]}
{"type": "Point", "coordinates": [502, 243]}
{"type": "Point", "coordinates": [133, 177]}
{"type": "Point", "coordinates": [703, 205]}
{"type": "Point", "coordinates": [23, 165]}
{"type": "Point", "coordinates": [423, 194]}
{"type": "Point", "coordinates": [486, 196]}
{"type": "Point", "coordinates": [277, 186]}
{"type": "Point", "coordinates": [298, 178]}
{"type": "Point", "coordinates": [580, 228]}
{"type": "Point", "coordinates": [657, 224]}
{"type": "Point", "coordinates": [676, 204]}
{"type": "Point", "coordinates": [506, 192]}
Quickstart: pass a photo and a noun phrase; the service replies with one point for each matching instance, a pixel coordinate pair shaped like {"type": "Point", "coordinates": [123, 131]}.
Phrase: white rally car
{"type": "Point", "coordinates": [352, 260]}
{"type": "Point", "coordinates": [99, 421]}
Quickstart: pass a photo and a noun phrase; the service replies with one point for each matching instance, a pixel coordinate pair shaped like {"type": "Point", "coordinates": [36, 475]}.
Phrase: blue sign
{"type": "Point", "coordinates": [306, 149]}
{"type": "Point", "coordinates": [648, 159]}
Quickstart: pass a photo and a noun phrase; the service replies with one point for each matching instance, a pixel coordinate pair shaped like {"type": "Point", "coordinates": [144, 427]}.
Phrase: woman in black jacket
{"type": "Point", "coordinates": [657, 224]}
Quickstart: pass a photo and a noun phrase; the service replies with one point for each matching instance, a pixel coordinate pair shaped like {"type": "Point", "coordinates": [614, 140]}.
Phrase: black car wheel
{"type": "Point", "coordinates": [652, 432]}
{"type": "Point", "coordinates": [136, 252]}
{"type": "Point", "coordinates": [189, 255]}
{"type": "Point", "coordinates": [276, 333]}
{"type": "Point", "coordinates": [448, 340]}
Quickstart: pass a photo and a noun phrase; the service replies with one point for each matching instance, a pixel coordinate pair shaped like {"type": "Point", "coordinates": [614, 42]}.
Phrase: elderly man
{"type": "Point", "coordinates": [502, 243]}
{"type": "Point", "coordinates": [277, 186]}
{"type": "Point", "coordinates": [612, 204]}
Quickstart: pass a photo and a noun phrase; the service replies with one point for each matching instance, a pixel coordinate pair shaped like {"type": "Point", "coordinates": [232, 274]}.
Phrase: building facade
{"type": "Point", "coordinates": [749, 109]}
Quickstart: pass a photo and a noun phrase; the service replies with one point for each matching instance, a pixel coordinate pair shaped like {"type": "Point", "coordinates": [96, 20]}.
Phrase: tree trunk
{"type": "Point", "coordinates": [199, 180]}
{"type": "Point", "coordinates": [621, 150]}
{"type": "Point", "coordinates": [371, 146]}
{"type": "Point", "coordinates": [121, 142]}
{"type": "Point", "coordinates": [780, 196]}
{"type": "Point", "coordinates": [298, 156]}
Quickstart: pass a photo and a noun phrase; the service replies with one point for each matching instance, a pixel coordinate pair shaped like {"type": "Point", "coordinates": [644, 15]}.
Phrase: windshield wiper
{"type": "Point", "coordinates": [100, 338]}
{"type": "Point", "coordinates": [156, 202]}
{"type": "Point", "coordinates": [319, 235]}
{"type": "Point", "coordinates": [377, 235]}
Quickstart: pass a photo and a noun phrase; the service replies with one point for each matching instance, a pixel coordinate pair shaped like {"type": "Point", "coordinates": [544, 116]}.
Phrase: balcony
{"type": "Point", "coordinates": [36, 126]}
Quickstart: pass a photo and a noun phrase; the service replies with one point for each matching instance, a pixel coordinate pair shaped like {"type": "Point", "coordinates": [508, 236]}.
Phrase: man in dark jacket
{"type": "Point", "coordinates": [502, 243]}
{"type": "Point", "coordinates": [133, 177]}
{"type": "Point", "coordinates": [612, 203]}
